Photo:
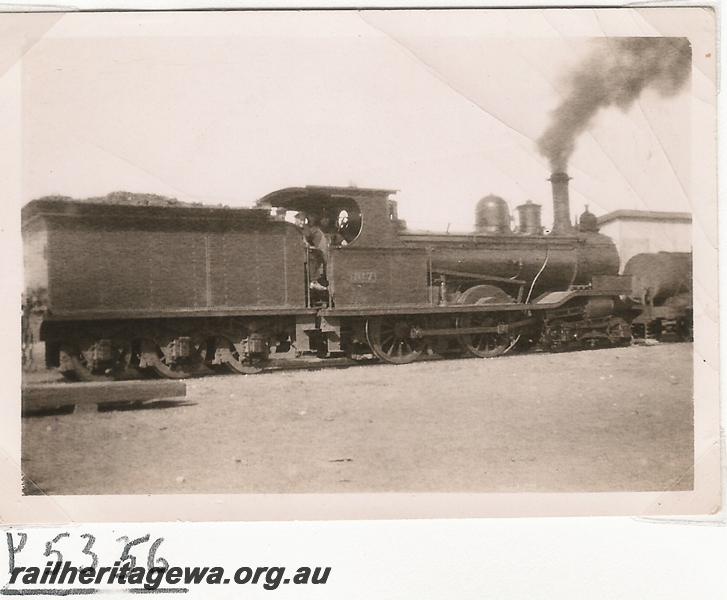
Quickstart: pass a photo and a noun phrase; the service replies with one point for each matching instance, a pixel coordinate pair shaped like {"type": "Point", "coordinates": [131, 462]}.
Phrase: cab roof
{"type": "Point", "coordinates": [316, 197]}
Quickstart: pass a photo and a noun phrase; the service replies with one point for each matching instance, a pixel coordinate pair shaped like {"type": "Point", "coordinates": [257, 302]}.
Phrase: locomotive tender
{"type": "Point", "coordinates": [118, 290]}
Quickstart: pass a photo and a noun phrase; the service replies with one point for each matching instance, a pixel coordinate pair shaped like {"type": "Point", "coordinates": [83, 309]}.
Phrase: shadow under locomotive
{"type": "Point", "coordinates": [119, 290]}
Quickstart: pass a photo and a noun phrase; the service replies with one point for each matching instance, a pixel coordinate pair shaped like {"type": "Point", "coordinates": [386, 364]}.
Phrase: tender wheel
{"type": "Point", "coordinates": [390, 339]}
{"type": "Point", "coordinates": [173, 358]}
{"type": "Point", "coordinates": [222, 351]}
{"type": "Point", "coordinates": [97, 360]}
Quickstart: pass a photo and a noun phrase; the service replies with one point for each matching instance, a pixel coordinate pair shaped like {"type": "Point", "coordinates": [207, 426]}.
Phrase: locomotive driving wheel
{"type": "Point", "coordinates": [390, 339]}
{"type": "Point", "coordinates": [486, 344]}
{"type": "Point", "coordinates": [233, 356]}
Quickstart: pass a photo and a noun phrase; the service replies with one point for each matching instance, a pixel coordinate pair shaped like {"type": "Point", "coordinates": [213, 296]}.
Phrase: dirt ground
{"type": "Point", "coordinates": [602, 420]}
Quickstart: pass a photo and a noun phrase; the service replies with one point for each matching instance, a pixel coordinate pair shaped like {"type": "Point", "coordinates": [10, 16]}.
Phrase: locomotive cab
{"type": "Point", "coordinates": [361, 227]}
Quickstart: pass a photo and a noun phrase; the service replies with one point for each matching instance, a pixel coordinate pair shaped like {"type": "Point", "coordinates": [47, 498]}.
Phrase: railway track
{"type": "Point", "coordinates": [275, 365]}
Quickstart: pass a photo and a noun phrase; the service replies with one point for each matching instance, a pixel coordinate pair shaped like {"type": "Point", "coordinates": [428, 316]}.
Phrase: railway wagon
{"type": "Point", "coordinates": [184, 290]}
{"type": "Point", "coordinates": [661, 295]}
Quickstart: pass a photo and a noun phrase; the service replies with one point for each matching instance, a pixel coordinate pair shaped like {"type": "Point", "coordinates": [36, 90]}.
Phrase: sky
{"type": "Point", "coordinates": [443, 106]}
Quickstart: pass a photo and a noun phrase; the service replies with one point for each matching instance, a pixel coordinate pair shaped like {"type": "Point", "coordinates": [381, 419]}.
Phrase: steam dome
{"type": "Point", "coordinates": [492, 215]}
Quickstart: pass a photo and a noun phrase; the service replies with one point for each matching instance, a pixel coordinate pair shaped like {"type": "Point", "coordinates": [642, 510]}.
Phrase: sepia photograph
{"type": "Point", "coordinates": [366, 252]}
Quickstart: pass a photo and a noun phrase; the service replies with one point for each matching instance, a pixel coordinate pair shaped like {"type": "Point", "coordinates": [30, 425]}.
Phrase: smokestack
{"type": "Point", "coordinates": [561, 204]}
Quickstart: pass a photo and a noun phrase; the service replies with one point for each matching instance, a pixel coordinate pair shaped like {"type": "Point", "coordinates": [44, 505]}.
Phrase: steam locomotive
{"type": "Point", "coordinates": [125, 288]}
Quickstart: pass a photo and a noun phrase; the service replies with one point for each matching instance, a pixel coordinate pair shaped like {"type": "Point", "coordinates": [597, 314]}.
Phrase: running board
{"type": "Point", "coordinates": [547, 301]}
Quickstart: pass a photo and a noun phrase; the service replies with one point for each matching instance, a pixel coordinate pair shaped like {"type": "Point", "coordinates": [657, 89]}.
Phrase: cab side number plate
{"type": "Point", "coordinates": [363, 277]}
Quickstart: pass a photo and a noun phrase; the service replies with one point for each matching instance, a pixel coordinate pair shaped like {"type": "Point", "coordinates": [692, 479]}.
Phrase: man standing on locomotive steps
{"type": "Point", "coordinates": [318, 254]}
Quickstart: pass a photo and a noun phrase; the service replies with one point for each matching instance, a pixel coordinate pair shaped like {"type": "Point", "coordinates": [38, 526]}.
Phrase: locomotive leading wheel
{"type": "Point", "coordinates": [619, 332]}
{"type": "Point", "coordinates": [390, 339]}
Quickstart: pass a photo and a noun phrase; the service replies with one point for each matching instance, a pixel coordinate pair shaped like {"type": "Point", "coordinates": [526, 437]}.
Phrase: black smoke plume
{"type": "Point", "coordinates": [614, 74]}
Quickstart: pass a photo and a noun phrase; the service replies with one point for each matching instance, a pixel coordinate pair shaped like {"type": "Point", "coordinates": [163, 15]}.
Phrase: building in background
{"type": "Point", "coordinates": [637, 231]}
